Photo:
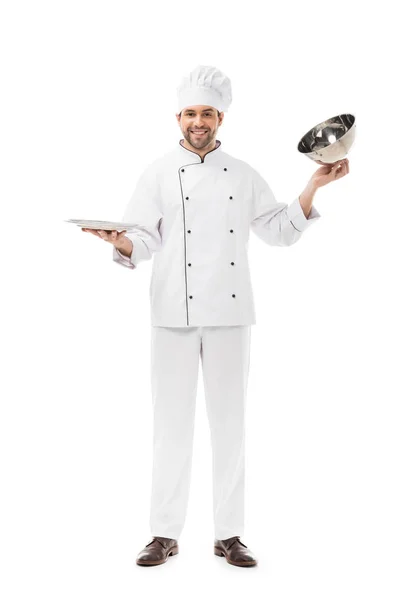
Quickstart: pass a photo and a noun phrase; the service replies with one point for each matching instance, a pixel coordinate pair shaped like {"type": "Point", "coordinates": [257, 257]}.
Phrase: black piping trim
{"type": "Point", "coordinates": [184, 216]}
{"type": "Point", "coordinates": [184, 236]}
{"type": "Point", "coordinates": [296, 228]}
{"type": "Point", "coordinates": [192, 151]}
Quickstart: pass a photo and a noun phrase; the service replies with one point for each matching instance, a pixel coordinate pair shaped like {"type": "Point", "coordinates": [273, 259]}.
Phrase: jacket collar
{"type": "Point", "coordinates": [209, 157]}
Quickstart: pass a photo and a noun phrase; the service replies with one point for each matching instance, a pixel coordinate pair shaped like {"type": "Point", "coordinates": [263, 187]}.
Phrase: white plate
{"type": "Point", "coordinates": [104, 225]}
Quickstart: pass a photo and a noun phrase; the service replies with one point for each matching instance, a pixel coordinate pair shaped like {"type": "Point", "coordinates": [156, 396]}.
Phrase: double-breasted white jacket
{"type": "Point", "coordinates": [195, 216]}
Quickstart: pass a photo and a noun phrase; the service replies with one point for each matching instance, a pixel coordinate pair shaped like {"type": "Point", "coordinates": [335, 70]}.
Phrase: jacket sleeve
{"type": "Point", "coordinates": [144, 212]}
{"type": "Point", "coordinates": [277, 223]}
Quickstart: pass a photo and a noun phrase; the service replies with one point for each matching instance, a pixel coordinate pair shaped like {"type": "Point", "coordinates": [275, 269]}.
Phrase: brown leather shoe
{"type": "Point", "coordinates": [157, 551]}
{"type": "Point", "coordinates": [233, 550]}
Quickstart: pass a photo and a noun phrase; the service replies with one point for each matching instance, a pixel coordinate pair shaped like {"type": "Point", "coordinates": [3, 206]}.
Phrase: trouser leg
{"type": "Point", "coordinates": [175, 355]}
{"type": "Point", "coordinates": [225, 355]}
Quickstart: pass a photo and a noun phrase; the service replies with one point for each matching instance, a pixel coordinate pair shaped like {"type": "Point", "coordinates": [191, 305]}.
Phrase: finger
{"type": "Point", "coordinates": [332, 170]}
{"type": "Point", "coordinates": [91, 231]}
{"type": "Point", "coordinates": [338, 171]}
{"type": "Point", "coordinates": [106, 235]}
{"type": "Point", "coordinates": [343, 162]}
{"type": "Point", "coordinates": [341, 172]}
{"type": "Point", "coordinates": [336, 164]}
{"type": "Point", "coordinates": [102, 234]}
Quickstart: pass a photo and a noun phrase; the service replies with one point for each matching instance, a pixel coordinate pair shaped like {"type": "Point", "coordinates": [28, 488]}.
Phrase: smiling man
{"type": "Point", "coordinates": [193, 209]}
{"type": "Point", "coordinates": [199, 126]}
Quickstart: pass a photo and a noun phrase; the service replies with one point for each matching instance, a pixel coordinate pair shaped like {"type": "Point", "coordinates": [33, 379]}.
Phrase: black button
{"type": "Point", "coordinates": [233, 295]}
{"type": "Point", "coordinates": [183, 170]}
{"type": "Point", "coordinates": [231, 230]}
{"type": "Point", "coordinates": [189, 231]}
{"type": "Point", "coordinates": [230, 198]}
{"type": "Point", "coordinates": [190, 264]}
{"type": "Point", "coordinates": [190, 297]}
{"type": "Point", "coordinates": [232, 263]}
{"type": "Point", "coordinates": [187, 197]}
{"type": "Point", "coordinates": [225, 169]}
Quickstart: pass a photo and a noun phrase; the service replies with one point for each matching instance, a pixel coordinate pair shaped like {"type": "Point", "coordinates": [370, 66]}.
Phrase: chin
{"type": "Point", "coordinates": [205, 141]}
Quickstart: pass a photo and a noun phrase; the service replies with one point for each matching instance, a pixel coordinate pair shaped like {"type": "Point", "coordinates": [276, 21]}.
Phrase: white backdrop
{"type": "Point", "coordinates": [88, 100]}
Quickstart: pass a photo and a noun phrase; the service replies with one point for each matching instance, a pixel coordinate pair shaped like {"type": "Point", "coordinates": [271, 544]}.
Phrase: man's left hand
{"type": "Point", "coordinates": [329, 172]}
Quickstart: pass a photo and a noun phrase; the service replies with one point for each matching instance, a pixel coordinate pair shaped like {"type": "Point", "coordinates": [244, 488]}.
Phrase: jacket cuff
{"type": "Point", "coordinates": [297, 217]}
{"type": "Point", "coordinates": [128, 261]}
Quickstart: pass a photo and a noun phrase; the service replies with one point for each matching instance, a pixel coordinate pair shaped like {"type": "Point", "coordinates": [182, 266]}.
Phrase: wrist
{"type": "Point", "coordinates": [311, 188]}
{"type": "Point", "coordinates": [122, 245]}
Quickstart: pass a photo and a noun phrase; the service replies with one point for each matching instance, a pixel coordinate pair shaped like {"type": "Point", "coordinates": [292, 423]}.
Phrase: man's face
{"type": "Point", "coordinates": [197, 119]}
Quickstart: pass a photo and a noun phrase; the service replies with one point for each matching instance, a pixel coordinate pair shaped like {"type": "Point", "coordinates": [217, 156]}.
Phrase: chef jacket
{"type": "Point", "coordinates": [194, 214]}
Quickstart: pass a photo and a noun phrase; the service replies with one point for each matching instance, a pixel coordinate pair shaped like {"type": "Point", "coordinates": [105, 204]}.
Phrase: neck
{"type": "Point", "coordinates": [200, 151]}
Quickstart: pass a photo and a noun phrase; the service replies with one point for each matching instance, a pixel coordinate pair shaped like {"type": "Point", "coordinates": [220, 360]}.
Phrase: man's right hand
{"type": "Point", "coordinates": [115, 238]}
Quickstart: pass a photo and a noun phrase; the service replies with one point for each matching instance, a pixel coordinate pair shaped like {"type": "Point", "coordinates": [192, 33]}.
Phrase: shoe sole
{"type": "Point", "coordinates": [151, 563]}
{"type": "Point", "coordinates": [248, 563]}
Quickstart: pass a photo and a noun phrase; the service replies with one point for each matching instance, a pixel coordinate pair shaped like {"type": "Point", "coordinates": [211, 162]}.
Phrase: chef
{"type": "Point", "coordinates": [192, 210]}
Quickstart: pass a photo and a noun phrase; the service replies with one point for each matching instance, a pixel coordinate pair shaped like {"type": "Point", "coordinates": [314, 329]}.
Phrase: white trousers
{"type": "Point", "coordinates": [225, 356]}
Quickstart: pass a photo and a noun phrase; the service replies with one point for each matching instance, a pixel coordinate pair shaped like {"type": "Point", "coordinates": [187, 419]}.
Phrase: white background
{"type": "Point", "coordinates": [87, 102]}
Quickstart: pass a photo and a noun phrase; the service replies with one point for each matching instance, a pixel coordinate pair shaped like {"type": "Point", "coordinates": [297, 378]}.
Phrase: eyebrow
{"type": "Point", "coordinates": [204, 110]}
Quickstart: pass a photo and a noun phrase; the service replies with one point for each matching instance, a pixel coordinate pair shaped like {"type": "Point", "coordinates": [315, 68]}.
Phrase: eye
{"type": "Point", "coordinates": [191, 114]}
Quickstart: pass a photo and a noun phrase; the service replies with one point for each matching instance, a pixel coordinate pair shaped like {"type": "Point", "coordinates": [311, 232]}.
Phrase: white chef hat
{"type": "Point", "coordinates": [206, 86]}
